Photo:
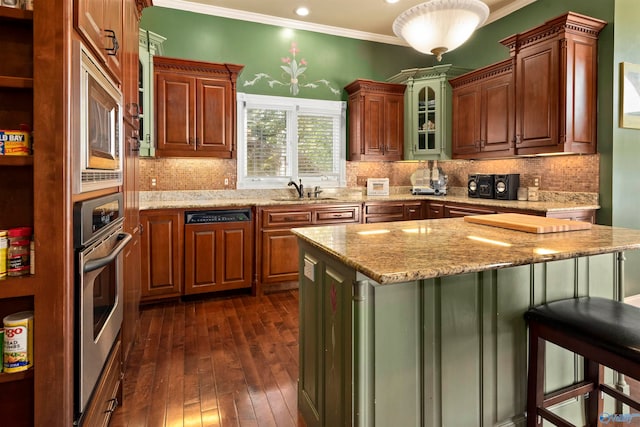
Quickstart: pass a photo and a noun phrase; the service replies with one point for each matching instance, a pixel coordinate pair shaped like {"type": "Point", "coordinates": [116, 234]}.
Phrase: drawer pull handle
{"type": "Point", "coordinates": [113, 404]}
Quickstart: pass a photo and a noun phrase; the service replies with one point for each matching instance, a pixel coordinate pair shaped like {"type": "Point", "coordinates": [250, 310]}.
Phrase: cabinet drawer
{"type": "Point", "coordinates": [106, 396]}
{"type": "Point", "coordinates": [292, 218]}
{"type": "Point", "coordinates": [335, 215]}
{"type": "Point", "coordinates": [384, 209]}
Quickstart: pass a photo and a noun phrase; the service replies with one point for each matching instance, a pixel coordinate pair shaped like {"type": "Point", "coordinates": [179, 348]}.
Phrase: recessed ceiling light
{"type": "Point", "coordinates": [391, 1]}
{"type": "Point", "coordinates": [302, 11]}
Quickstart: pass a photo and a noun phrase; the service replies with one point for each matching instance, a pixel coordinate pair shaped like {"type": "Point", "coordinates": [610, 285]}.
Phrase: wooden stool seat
{"type": "Point", "coordinates": [604, 332]}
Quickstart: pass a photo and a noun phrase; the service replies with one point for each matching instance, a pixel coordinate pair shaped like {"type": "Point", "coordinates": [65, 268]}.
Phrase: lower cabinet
{"type": "Point", "coordinates": [108, 393]}
{"type": "Point", "coordinates": [132, 289]}
{"type": "Point", "coordinates": [162, 254]}
{"type": "Point", "coordinates": [436, 210]}
{"type": "Point", "coordinates": [392, 211]}
{"type": "Point", "coordinates": [277, 247]}
{"type": "Point", "coordinates": [217, 257]}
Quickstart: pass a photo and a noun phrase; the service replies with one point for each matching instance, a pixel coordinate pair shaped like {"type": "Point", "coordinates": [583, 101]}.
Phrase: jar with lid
{"type": "Point", "coordinates": [18, 258]}
{"type": "Point", "coordinates": [19, 233]}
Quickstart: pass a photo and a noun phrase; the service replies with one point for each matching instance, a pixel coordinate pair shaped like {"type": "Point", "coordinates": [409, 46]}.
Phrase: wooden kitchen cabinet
{"type": "Point", "coordinates": [162, 254]}
{"type": "Point", "coordinates": [277, 246]}
{"type": "Point", "coordinates": [218, 257]}
{"type": "Point", "coordinates": [195, 108]}
{"type": "Point", "coordinates": [108, 394]}
{"type": "Point", "coordinates": [100, 22]}
{"type": "Point", "coordinates": [376, 120]}
{"type": "Point", "coordinates": [556, 85]}
{"type": "Point", "coordinates": [437, 209]}
{"type": "Point", "coordinates": [427, 111]}
{"type": "Point", "coordinates": [392, 211]}
{"type": "Point", "coordinates": [484, 112]}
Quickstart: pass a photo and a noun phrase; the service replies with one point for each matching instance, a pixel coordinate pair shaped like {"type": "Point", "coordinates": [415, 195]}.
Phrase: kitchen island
{"type": "Point", "coordinates": [420, 323]}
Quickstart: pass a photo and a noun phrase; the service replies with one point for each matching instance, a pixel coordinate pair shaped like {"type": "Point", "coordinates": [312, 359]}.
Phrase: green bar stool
{"type": "Point", "coordinates": [604, 332]}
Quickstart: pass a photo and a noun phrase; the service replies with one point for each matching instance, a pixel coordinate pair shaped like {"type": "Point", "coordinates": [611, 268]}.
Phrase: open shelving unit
{"type": "Point", "coordinates": [17, 192]}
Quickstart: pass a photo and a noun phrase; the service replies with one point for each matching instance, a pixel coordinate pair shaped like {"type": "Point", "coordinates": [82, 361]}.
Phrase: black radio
{"type": "Point", "coordinates": [486, 184]}
{"type": "Point", "coordinates": [506, 186]}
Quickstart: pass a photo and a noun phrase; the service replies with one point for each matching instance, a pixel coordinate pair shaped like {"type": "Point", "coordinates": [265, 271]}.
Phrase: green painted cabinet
{"type": "Point", "coordinates": [150, 45]}
{"type": "Point", "coordinates": [447, 351]}
{"type": "Point", "coordinates": [427, 97]}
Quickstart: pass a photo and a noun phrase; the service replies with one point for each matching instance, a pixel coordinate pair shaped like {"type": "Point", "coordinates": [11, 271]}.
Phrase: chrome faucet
{"type": "Point", "coordinates": [316, 191]}
{"type": "Point", "coordinates": [299, 188]}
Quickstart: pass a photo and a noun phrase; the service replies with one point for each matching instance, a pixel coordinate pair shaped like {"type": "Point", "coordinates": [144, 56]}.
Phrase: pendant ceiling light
{"type": "Point", "coordinates": [439, 26]}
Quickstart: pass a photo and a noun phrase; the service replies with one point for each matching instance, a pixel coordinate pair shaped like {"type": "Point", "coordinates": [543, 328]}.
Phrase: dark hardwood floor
{"type": "Point", "coordinates": [223, 361]}
{"type": "Point", "coordinates": [230, 361]}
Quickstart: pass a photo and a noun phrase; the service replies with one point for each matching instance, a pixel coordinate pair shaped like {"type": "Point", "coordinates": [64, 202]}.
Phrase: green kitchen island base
{"type": "Point", "coordinates": [441, 351]}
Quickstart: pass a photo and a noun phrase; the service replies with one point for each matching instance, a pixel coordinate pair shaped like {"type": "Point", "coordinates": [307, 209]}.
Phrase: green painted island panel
{"type": "Point", "coordinates": [448, 351]}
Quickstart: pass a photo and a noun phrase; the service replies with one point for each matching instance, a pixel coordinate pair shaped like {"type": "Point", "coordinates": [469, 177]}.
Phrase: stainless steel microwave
{"type": "Point", "coordinates": [97, 125]}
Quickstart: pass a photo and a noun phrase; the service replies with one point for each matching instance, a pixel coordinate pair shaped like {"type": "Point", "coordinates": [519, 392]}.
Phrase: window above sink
{"type": "Point", "coordinates": [282, 138]}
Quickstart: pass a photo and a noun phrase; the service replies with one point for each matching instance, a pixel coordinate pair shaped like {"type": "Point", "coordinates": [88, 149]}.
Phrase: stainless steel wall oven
{"type": "Point", "coordinates": [98, 242]}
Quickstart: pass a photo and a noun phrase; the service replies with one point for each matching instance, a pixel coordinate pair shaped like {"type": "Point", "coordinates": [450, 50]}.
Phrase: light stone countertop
{"type": "Point", "coordinates": [395, 252]}
{"type": "Point", "coordinates": [550, 201]}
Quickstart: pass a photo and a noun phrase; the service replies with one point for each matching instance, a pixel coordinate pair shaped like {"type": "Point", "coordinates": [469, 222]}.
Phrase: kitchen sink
{"type": "Point", "coordinates": [306, 199]}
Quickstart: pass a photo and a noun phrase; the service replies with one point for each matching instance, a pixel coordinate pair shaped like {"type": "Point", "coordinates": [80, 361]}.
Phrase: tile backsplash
{"type": "Point", "coordinates": [573, 173]}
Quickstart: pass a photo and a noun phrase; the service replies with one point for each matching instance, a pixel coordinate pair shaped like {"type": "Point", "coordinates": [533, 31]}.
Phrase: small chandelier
{"type": "Point", "coordinates": [439, 26]}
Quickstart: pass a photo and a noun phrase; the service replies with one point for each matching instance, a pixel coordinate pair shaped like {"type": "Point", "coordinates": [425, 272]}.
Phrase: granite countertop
{"type": "Point", "coordinates": [396, 252]}
{"type": "Point", "coordinates": [550, 202]}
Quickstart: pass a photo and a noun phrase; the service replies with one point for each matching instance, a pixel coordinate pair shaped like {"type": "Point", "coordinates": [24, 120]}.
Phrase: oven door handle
{"type": "Point", "coordinates": [97, 263]}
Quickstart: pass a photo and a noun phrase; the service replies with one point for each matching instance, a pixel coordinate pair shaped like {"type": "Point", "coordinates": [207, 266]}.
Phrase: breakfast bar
{"type": "Point", "coordinates": [420, 323]}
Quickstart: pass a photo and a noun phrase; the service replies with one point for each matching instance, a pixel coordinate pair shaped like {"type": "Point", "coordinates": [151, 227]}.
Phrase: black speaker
{"type": "Point", "coordinates": [486, 186]}
{"type": "Point", "coordinates": [472, 186]}
{"type": "Point", "coordinates": [506, 186]}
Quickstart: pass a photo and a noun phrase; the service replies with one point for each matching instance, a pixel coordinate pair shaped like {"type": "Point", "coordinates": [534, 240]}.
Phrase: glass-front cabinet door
{"type": "Point", "coordinates": [427, 111]}
{"type": "Point", "coordinates": [428, 118]}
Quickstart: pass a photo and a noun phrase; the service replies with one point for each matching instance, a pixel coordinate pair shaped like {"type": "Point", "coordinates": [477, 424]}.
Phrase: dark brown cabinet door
{"type": "Point", "coordinates": [279, 256]}
{"type": "Point", "coordinates": [175, 112]}
{"type": "Point", "coordinates": [394, 126]}
{"type": "Point", "coordinates": [466, 120]}
{"type": "Point", "coordinates": [435, 210]}
{"type": "Point", "coordinates": [497, 115]}
{"type": "Point", "coordinates": [218, 257]}
{"type": "Point", "coordinates": [456, 211]}
{"type": "Point", "coordinates": [214, 105]}
{"type": "Point", "coordinates": [538, 96]}
{"type": "Point", "coordinates": [373, 122]}
{"type": "Point", "coordinates": [100, 24]}
{"type": "Point", "coordinates": [162, 254]}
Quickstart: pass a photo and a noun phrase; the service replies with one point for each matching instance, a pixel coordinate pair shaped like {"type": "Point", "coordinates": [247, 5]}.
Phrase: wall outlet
{"type": "Point", "coordinates": [361, 180]}
{"type": "Point", "coordinates": [226, 182]}
{"type": "Point", "coordinates": [536, 181]}
{"type": "Point", "coordinates": [153, 182]}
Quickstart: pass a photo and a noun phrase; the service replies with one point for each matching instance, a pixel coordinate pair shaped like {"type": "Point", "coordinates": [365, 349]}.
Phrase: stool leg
{"type": "Point", "coordinates": [535, 381]}
{"type": "Point", "coordinates": [594, 373]}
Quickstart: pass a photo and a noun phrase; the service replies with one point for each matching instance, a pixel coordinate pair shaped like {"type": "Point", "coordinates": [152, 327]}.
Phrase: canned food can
{"type": "Point", "coordinates": [18, 342]}
{"type": "Point", "coordinates": [15, 142]}
{"type": "Point", "coordinates": [4, 246]}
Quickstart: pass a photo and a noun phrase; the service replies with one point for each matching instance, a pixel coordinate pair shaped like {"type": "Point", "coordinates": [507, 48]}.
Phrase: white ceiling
{"type": "Point", "coordinates": [360, 19]}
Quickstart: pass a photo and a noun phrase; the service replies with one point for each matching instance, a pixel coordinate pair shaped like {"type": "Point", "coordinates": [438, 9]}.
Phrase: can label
{"type": "Point", "coordinates": [18, 342]}
{"type": "Point", "coordinates": [15, 142]}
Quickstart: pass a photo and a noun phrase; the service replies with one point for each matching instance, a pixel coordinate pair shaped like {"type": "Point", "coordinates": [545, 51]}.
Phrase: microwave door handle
{"type": "Point", "coordinates": [97, 263]}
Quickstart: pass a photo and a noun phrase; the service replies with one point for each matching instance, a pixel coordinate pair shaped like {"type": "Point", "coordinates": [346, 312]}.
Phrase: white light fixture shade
{"type": "Point", "coordinates": [439, 26]}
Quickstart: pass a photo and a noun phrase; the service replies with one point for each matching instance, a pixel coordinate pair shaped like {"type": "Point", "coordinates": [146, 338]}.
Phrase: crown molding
{"type": "Point", "coordinates": [309, 26]}
{"type": "Point", "coordinates": [279, 22]}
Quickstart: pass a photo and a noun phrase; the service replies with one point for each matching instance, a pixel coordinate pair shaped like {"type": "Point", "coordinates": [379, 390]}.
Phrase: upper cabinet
{"type": "Point", "coordinates": [483, 119]}
{"type": "Point", "coordinates": [195, 108]}
{"type": "Point", "coordinates": [376, 120]}
{"type": "Point", "coordinates": [554, 105]}
{"type": "Point", "coordinates": [150, 45]}
{"type": "Point", "coordinates": [556, 85]}
{"type": "Point", "coordinates": [100, 24]}
{"type": "Point", "coordinates": [427, 130]}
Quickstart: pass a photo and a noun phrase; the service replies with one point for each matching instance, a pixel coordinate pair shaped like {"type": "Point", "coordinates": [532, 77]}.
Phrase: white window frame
{"type": "Point", "coordinates": [293, 106]}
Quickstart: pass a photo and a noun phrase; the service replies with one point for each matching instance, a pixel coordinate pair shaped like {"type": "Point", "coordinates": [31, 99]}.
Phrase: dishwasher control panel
{"type": "Point", "coordinates": [216, 216]}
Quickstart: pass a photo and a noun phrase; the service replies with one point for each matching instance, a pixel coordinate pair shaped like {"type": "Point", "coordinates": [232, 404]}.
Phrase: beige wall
{"type": "Point", "coordinates": [577, 173]}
